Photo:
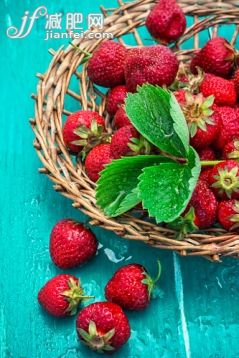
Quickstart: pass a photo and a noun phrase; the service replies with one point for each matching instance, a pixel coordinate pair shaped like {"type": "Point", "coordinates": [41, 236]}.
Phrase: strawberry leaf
{"type": "Point", "coordinates": [117, 190]}
{"type": "Point", "coordinates": [167, 188]}
{"type": "Point", "coordinates": [156, 114]}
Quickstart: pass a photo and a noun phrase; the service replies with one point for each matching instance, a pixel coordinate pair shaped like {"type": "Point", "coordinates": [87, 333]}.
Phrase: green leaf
{"type": "Point", "coordinates": [156, 114]}
{"type": "Point", "coordinates": [167, 188]}
{"type": "Point", "coordinates": [117, 190]}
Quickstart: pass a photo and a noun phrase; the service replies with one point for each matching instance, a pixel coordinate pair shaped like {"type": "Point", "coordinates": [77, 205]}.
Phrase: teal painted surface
{"type": "Point", "coordinates": [198, 315]}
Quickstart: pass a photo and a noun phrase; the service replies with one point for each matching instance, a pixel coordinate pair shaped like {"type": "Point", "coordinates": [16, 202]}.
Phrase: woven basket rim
{"type": "Point", "coordinates": [69, 179]}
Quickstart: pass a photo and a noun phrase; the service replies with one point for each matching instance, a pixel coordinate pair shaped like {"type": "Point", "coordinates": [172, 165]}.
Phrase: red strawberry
{"type": "Point", "coordinates": [228, 214]}
{"type": "Point", "coordinates": [82, 128]}
{"type": "Point", "coordinates": [207, 154]}
{"type": "Point", "coordinates": [224, 180]}
{"type": "Point", "coordinates": [180, 96]}
{"type": "Point", "coordinates": [71, 244]}
{"type": "Point", "coordinates": [223, 90]}
{"type": "Point", "coordinates": [122, 140]}
{"type": "Point", "coordinates": [61, 295]}
{"type": "Point", "coordinates": [205, 174]}
{"type": "Point", "coordinates": [231, 150]}
{"type": "Point", "coordinates": [229, 126]}
{"type": "Point", "coordinates": [156, 65]}
{"type": "Point", "coordinates": [202, 118]}
{"type": "Point", "coordinates": [96, 160]}
{"type": "Point", "coordinates": [166, 22]}
{"type": "Point", "coordinates": [205, 205]}
{"type": "Point", "coordinates": [106, 66]}
{"type": "Point", "coordinates": [236, 81]}
{"type": "Point", "coordinates": [121, 119]}
{"type": "Point", "coordinates": [131, 287]}
{"type": "Point", "coordinates": [216, 57]}
{"type": "Point", "coordinates": [115, 99]}
{"type": "Point", "coordinates": [103, 327]}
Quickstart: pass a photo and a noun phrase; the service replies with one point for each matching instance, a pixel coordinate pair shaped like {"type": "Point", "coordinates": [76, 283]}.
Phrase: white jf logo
{"type": "Point", "coordinates": [26, 26]}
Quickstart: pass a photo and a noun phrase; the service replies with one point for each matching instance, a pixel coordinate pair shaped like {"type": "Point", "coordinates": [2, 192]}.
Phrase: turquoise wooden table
{"type": "Point", "coordinates": [198, 315]}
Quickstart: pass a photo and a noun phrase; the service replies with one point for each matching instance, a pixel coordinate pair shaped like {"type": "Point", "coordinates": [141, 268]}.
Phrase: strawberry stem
{"type": "Point", "coordinates": [207, 163]}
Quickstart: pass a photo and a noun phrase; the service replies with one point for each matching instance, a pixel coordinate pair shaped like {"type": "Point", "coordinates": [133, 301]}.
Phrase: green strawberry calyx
{"type": "Point", "coordinates": [227, 181]}
{"type": "Point", "coordinates": [74, 296]}
{"type": "Point", "coordinates": [150, 282]}
{"type": "Point", "coordinates": [139, 146]}
{"type": "Point", "coordinates": [90, 137]}
{"type": "Point", "coordinates": [184, 224]}
{"type": "Point", "coordinates": [95, 340]}
{"type": "Point", "coordinates": [235, 153]}
{"type": "Point", "coordinates": [235, 217]}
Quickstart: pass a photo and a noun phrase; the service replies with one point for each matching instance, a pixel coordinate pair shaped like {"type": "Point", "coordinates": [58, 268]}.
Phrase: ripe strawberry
{"type": "Point", "coordinates": [228, 214]}
{"type": "Point", "coordinates": [166, 22]}
{"type": "Point", "coordinates": [229, 126]}
{"type": "Point", "coordinates": [207, 154]}
{"type": "Point", "coordinates": [71, 244]}
{"type": "Point", "coordinates": [180, 96]}
{"type": "Point", "coordinates": [156, 65]}
{"type": "Point", "coordinates": [216, 57]}
{"type": "Point", "coordinates": [96, 160]}
{"type": "Point", "coordinates": [103, 327]}
{"type": "Point", "coordinates": [236, 81]}
{"type": "Point", "coordinates": [82, 128]}
{"type": "Point", "coordinates": [61, 295]}
{"type": "Point", "coordinates": [131, 287]}
{"type": "Point", "coordinates": [205, 205]}
{"type": "Point", "coordinates": [121, 119]}
{"type": "Point", "coordinates": [231, 150]}
{"type": "Point", "coordinates": [205, 174]}
{"type": "Point", "coordinates": [202, 119]}
{"type": "Point", "coordinates": [224, 180]}
{"type": "Point", "coordinates": [106, 66]}
{"type": "Point", "coordinates": [223, 90]}
{"type": "Point", "coordinates": [122, 144]}
{"type": "Point", "coordinates": [116, 97]}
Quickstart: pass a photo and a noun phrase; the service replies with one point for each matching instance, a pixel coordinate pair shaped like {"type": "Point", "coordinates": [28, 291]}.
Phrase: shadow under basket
{"type": "Point", "coordinates": [65, 88]}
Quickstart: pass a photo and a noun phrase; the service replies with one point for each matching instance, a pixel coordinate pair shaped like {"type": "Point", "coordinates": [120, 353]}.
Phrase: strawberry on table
{"type": "Point", "coordinates": [106, 66]}
{"type": "Point", "coordinates": [61, 295]}
{"type": "Point", "coordinates": [224, 180]}
{"type": "Point", "coordinates": [103, 327]}
{"type": "Point", "coordinates": [71, 244]}
{"type": "Point", "coordinates": [121, 119]}
{"type": "Point", "coordinates": [96, 160]}
{"type": "Point", "coordinates": [83, 129]}
{"type": "Point", "coordinates": [131, 287]}
{"type": "Point", "coordinates": [155, 65]}
{"type": "Point", "coordinates": [216, 57]}
{"type": "Point", "coordinates": [228, 214]}
{"type": "Point", "coordinates": [166, 22]}
{"type": "Point", "coordinates": [115, 98]}
{"type": "Point", "coordinates": [223, 90]}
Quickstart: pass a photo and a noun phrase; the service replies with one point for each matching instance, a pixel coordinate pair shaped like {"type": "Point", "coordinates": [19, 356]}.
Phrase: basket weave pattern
{"type": "Point", "coordinates": [54, 93]}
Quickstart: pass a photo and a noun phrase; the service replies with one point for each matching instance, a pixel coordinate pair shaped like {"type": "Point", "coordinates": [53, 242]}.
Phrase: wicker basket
{"type": "Point", "coordinates": [54, 93]}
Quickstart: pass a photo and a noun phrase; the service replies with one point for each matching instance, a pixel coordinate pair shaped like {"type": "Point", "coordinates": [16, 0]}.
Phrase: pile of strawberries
{"type": "Point", "coordinates": [102, 326]}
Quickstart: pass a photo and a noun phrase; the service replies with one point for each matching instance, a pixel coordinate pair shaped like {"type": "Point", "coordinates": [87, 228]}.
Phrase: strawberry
{"type": "Point", "coordinates": [202, 118]}
{"type": "Point", "coordinates": [180, 96]}
{"type": "Point", "coordinates": [71, 244]}
{"type": "Point", "coordinates": [229, 126]}
{"type": "Point", "coordinates": [204, 203]}
{"type": "Point", "coordinates": [216, 57]}
{"type": "Point", "coordinates": [82, 128]}
{"type": "Point", "coordinates": [61, 295]}
{"type": "Point", "coordinates": [228, 214]}
{"type": "Point", "coordinates": [205, 174]}
{"type": "Point", "coordinates": [223, 90]}
{"type": "Point", "coordinates": [207, 154]}
{"type": "Point", "coordinates": [103, 327]}
{"type": "Point", "coordinates": [115, 98]}
{"type": "Point", "coordinates": [236, 81]}
{"type": "Point", "coordinates": [121, 119]}
{"type": "Point", "coordinates": [127, 141]}
{"type": "Point", "coordinates": [156, 65]}
{"type": "Point", "coordinates": [166, 22]}
{"type": "Point", "coordinates": [224, 180]}
{"type": "Point", "coordinates": [96, 160]}
{"type": "Point", "coordinates": [106, 66]}
{"type": "Point", "coordinates": [231, 150]}
{"type": "Point", "coordinates": [131, 287]}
